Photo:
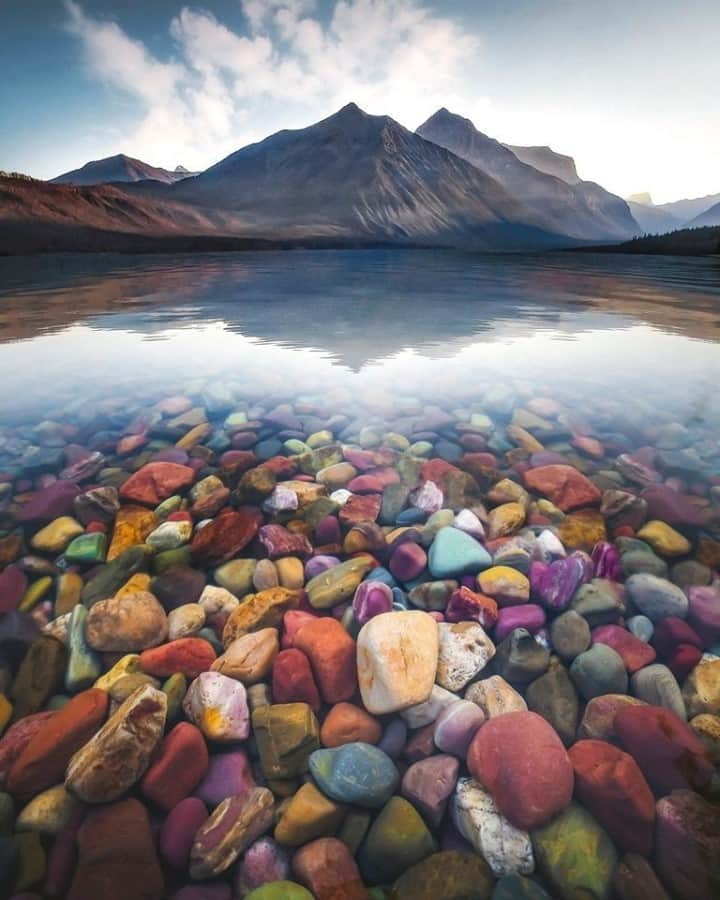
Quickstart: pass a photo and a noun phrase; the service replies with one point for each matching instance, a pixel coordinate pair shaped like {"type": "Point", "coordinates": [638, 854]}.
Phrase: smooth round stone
{"type": "Point", "coordinates": [599, 670]}
{"type": "Point", "coordinates": [48, 812]}
{"type": "Point", "coordinates": [704, 612]}
{"type": "Point", "coordinates": [656, 597]}
{"type": "Point", "coordinates": [504, 847]}
{"type": "Point", "coordinates": [178, 830]}
{"type": "Point", "coordinates": [408, 561]}
{"type": "Point", "coordinates": [643, 561]}
{"type": "Point", "coordinates": [641, 627]}
{"type": "Point", "coordinates": [664, 539]}
{"type": "Point", "coordinates": [456, 726]}
{"type": "Point", "coordinates": [185, 621]}
{"type": "Point", "coordinates": [598, 721]}
{"type": "Point", "coordinates": [453, 552]}
{"type": "Point", "coordinates": [426, 712]}
{"type": "Point", "coordinates": [601, 602]}
{"type": "Point", "coordinates": [575, 855]}
{"type": "Point", "coordinates": [528, 616]}
{"type": "Point", "coordinates": [397, 655]}
{"type": "Point", "coordinates": [228, 774]}
{"type": "Point", "coordinates": [355, 773]}
{"type": "Point", "coordinates": [657, 686]}
{"type": "Point", "coordinates": [521, 761]}
{"type": "Point", "coordinates": [393, 738]}
{"type": "Point", "coordinates": [397, 839]}
{"type": "Point", "coordinates": [634, 653]}
{"type": "Point", "coordinates": [55, 537]}
{"type": "Point", "coordinates": [428, 785]}
{"type": "Point", "coordinates": [371, 598]}
{"type": "Point", "coordinates": [448, 875]}
{"type": "Point", "coordinates": [570, 635]}
{"type": "Point", "coordinates": [504, 584]}
{"type": "Point", "coordinates": [553, 696]}
{"type": "Point", "coordinates": [265, 862]}
{"type": "Point", "coordinates": [126, 624]}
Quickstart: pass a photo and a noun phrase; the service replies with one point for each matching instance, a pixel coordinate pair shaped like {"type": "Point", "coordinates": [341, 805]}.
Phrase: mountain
{"type": "Point", "coordinates": [687, 210]}
{"type": "Point", "coordinates": [120, 168]}
{"type": "Point", "coordinates": [709, 217]}
{"type": "Point", "coordinates": [357, 175]}
{"type": "Point", "coordinates": [36, 215]}
{"type": "Point", "coordinates": [584, 210]}
{"type": "Point", "coordinates": [643, 197]}
{"type": "Point", "coordinates": [546, 160]}
{"type": "Point", "coordinates": [653, 219]}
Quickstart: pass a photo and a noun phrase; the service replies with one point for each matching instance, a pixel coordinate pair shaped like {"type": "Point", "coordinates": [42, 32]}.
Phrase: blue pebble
{"type": "Point", "coordinates": [410, 516]}
{"type": "Point", "coordinates": [641, 627]}
{"type": "Point", "coordinates": [381, 574]}
{"type": "Point", "coordinates": [355, 773]}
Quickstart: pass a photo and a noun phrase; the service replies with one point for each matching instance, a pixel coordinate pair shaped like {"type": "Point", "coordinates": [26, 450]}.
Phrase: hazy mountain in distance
{"type": "Point", "coordinates": [546, 160]}
{"type": "Point", "coordinates": [643, 197]}
{"type": "Point", "coordinates": [687, 210]}
{"type": "Point", "coordinates": [120, 168]}
{"type": "Point", "coordinates": [353, 174]}
{"type": "Point", "coordinates": [653, 219]}
{"type": "Point", "coordinates": [583, 210]}
{"type": "Point", "coordinates": [710, 217]}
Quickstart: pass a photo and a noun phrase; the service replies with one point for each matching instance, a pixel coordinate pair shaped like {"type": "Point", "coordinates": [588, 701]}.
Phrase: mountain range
{"type": "Point", "coordinates": [349, 179]}
{"type": "Point", "coordinates": [679, 214]}
{"type": "Point", "coordinates": [121, 168]}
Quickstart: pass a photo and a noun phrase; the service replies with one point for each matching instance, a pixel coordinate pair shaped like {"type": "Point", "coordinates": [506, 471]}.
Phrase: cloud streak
{"type": "Point", "coordinates": [222, 89]}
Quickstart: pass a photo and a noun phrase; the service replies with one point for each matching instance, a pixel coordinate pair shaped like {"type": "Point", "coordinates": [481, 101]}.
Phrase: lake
{"type": "Point", "coordinates": [431, 517]}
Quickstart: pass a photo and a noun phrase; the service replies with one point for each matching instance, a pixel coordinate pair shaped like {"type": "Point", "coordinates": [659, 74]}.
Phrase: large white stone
{"type": "Point", "coordinates": [464, 651]}
{"type": "Point", "coordinates": [505, 849]}
{"type": "Point", "coordinates": [397, 654]}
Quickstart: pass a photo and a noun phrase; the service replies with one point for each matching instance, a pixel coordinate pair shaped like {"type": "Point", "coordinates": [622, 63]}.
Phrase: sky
{"type": "Point", "coordinates": [630, 88]}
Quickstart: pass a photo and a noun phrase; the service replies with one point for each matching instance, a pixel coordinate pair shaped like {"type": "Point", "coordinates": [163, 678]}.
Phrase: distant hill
{"type": "Point", "coordinates": [120, 168]}
{"type": "Point", "coordinates": [653, 219]}
{"type": "Point", "coordinates": [687, 210]}
{"type": "Point", "coordinates": [582, 210]}
{"type": "Point", "coordinates": [685, 242]}
{"type": "Point", "coordinates": [709, 217]}
{"type": "Point", "coordinates": [358, 175]}
{"type": "Point", "coordinates": [663, 217]}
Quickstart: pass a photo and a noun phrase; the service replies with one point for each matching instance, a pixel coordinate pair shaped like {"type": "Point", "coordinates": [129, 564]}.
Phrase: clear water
{"type": "Point", "coordinates": [611, 336]}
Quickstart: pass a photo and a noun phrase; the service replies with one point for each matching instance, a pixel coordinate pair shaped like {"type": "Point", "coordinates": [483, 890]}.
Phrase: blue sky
{"type": "Point", "coordinates": [630, 89]}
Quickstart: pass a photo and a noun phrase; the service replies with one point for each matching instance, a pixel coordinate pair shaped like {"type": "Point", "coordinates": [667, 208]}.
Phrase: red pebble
{"type": "Point", "coordinates": [281, 466]}
{"type": "Point", "coordinates": [522, 762]}
{"type": "Point", "coordinates": [634, 653]}
{"type": "Point", "coordinates": [610, 784]}
{"type": "Point", "coordinates": [182, 515]}
{"type": "Point", "coordinates": [96, 528]}
{"type": "Point", "coordinates": [293, 680]}
{"type": "Point", "coordinates": [683, 660]}
{"type": "Point", "coordinates": [190, 656]}
{"type": "Point", "coordinates": [331, 651]}
{"type": "Point", "coordinates": [469, 606]}
{"type": "Point", "coordinates": [63, 856]}
{"type": "Point", "coordinates": [669, 753]}
{"type": "Point", "coordinates": [178, 831]}
{"type": "Point", "coordinates": [293, 621]}
{"type": "Point", "coordinates": [179, 766]}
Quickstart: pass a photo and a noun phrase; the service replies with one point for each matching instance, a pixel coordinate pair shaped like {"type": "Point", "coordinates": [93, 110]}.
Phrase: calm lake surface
{"type": "Point", "coordinates": [600, 330]}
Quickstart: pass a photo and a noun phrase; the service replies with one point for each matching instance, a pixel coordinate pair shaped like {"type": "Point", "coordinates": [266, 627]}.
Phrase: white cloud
{"type": "Point", "coordinates": [223, 89]}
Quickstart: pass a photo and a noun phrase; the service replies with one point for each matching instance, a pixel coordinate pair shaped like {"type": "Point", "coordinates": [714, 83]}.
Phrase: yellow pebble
{"type": "Point", "coordinates": [6, 711]}
{"type": "Point", "coordinates": [35, 593]}
{"type": "Point", "coordinates": [128, 665]}
{"type": "Point", "coordinates": [664, 539]}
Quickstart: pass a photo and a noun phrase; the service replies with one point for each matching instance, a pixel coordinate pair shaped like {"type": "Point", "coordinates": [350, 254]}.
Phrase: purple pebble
{"type": "Point", "coordinates": [408, 561]}
{"type": "Point", "coordinates": [526, 615]}
{"type": "Point", "coordinates": [606, 561]}
{"type": "Point", "coordinates": [228, 774]}
{"type": "Point", "coordinates": [327, 531]}
{"type": "Point", "coordinates": [318, 564]}
{"type": "Point", "coordinates": [371, 598]}
{"type": "Point", "coordinates": [179, 829]}
{"type": "Point", "coordinates": [393, 738]}
{"type": "Point", "coordinates": [556, 585]}
{"type": "Point", "coordinates": [214, 890]}
{"type": "Point", "coordinates": [262, 862]}
{"type": "Point", "coordinates": [455, 727]}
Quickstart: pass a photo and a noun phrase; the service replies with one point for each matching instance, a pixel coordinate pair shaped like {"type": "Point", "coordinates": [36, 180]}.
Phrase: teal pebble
{"type": "Point", "coordinates": [84, 667]}
{"type": "Point", "coordinates": [355, 773]}
{"type": "Point", "coordinates": [453, 552]}
{"type": "Point", "coordinates": [87, 548]}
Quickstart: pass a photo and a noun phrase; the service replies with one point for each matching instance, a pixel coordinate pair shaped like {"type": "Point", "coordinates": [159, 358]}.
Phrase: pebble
{"type": "Point", "coordinates": [126, 624]}
{"type": "Point", "coordinates": [355, 773]}
{"type": "Point", "coordinates": [599, 670]}
{"type": "Point", "coordinates": [397, 657]}
{"type": "Point", "coordinates": [464, 651]}
{"type": "Point", "coordinates": [218, 706]}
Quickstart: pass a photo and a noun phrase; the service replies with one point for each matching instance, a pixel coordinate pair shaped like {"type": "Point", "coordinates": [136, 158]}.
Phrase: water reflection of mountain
{"type": "Point", "coordinates": [359, 306]}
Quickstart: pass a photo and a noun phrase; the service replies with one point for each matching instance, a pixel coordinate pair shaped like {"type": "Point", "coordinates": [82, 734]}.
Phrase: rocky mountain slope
{"type": "Point", "coordinates": [120, 168]}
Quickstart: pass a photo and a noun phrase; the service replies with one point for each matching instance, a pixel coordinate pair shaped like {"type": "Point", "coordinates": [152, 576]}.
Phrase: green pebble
{"type": "Point", "coordinates": [368, 438]}
{"type": "Point", "coordinates": [236, 421]}
{"type": "Point", "coordinates": [171, 505]}
{"type": "Point", "coordinates": [168, 559]}
{"type": "Point", "coordinates": [88, 549]}
{"type": "Point", "coordinates": [397, 839]}
{"type": "Point", "coordinates": [575, 855]}
{"type": "Point", "coordinates": [35, 593]}
{"type": "Point", "coordinates": [320, 439]}
{"type": "Point", "coordinates": [84, 666]}
{"type": "Point", "coordinates": [295, 447]}
{"type": "Point", "coordinates": [236, 576]}
{"type": "Point", "coordinates": [31, 861]}
{"type": "Point", "coordinates": [421, 448]}
{"type": "Point", "coordinates": [396, 441]}
{"type": "Point", "coordinates": [114, 574]}
{"type": "Point", "coordinates": [280, 890]}
{"type": "Point", "coordinates": [175, 689]}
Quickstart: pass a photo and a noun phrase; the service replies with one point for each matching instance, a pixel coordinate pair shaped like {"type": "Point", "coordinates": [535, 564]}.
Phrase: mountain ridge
{"type": "Point", "coordinates": [120, 168]}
